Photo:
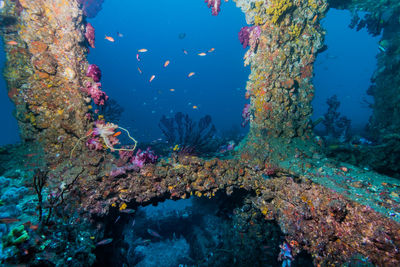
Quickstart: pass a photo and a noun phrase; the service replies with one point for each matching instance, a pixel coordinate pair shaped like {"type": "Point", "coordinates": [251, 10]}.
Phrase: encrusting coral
{"type": "Point", "coordinates": [276, 8]}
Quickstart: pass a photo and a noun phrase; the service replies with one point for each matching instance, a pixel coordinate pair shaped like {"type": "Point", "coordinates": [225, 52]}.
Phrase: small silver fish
{"type": "Point", "coordinates": [128, 211]}
{"type": "Point", "coordinates": [104, 242]}
{"type": "Point", "coordinates": [153, 233]}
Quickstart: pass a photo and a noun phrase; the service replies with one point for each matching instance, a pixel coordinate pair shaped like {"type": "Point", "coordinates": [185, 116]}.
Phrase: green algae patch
{"type": "Point", "coordinates": [16, 236]}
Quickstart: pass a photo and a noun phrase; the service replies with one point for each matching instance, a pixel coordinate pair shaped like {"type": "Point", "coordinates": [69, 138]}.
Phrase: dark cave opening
{"type": "Point", "coordinates": [221, 231]}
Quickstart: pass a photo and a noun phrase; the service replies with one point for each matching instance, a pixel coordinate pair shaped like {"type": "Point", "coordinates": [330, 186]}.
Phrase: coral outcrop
{"type": "Point", "coordinates": [280, 84]}
{"type": "Point", "coordinates": [337, 128]}
{"type": "Point", "coordinates": [44, 73]}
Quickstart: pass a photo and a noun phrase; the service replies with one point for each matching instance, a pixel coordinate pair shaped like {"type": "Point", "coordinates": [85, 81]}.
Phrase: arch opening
{"type": "Point", "coordinates": [345, 108]}
{"type": "Point", "coordinates": [344, 69]}
{"type": "Point", "coordinates": [189, 67]}
{"type": "Point", "coordinates": [195, 231]}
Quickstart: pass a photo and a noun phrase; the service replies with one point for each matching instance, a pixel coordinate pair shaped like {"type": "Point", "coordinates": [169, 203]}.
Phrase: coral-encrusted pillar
{"type": "Point", "coordinates": [45, 62]}
{"type": "Point", "coordinates": [281, 58]}
{"type": "Point", "coordinates": [385, 120]}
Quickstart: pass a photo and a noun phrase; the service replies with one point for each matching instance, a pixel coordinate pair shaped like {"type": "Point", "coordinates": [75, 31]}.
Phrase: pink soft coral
{"type": "Point", "coordinates": [246, 114]}
{"type": "Point", "coordinates": [94, 91]}
{"type": "Point", "coordinates": [90, 34]}
{"type": "Point", "coordinates": [134, 162]}
{"type": "Point", "coordinates": [215, 6]}
{"type": "Point", "coordinates": [94, 144]}
{"type": "Point", "coordinates": [94, 72]}
{"type": "Point", "coordinates": [106, 132]}
{"type": "Point", "coordinates": [255, 34]}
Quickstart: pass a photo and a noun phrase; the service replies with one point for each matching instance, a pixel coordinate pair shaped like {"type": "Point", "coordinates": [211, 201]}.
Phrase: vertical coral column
{"type": "Point", "coordinates": [381, 17]}
{"type": "Point", "coordinates": [385, 120]}
{"type": "Point", "coordinates": [46, 59]}
{"type": "Point", "coordinates": [284, 40]}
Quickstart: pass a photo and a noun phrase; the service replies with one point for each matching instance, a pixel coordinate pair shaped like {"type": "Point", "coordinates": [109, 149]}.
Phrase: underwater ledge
{"type": "Point", "coordinates": [321, 206]}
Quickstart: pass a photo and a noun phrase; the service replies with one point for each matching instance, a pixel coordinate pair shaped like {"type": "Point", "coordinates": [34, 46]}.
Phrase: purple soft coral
{"type": "Point", "coordinates": [94, 72]}
{"type": "Point", "coordinates": [126, 155]}
{"type": "Point", "coordinates": [249, 35]}
{"type": "Point", "coordinates": [244, 36]}
{"type": "Point", "coordinates": [215, 6]}
{"type": "Point", "coordinates": [144, 157]}
{"type": "Point", "coordinates": [134, 162]}
{"type": "Point", "coordinates": [94, 144]}
{"type": "Point", "coordinates": [255, 33]}
{"type": "Point", "coordinates": [90, 34]}
{"type": "Point", "coordinates": [246, 114]}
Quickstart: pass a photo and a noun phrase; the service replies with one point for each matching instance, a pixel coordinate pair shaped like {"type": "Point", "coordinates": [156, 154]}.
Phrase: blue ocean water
{"type": "Point", "coordinates": [218, 86]}
{"type": "Point", "coordinates": [345, 69]}
{"type": "Point", "coordinates": [10, 131]}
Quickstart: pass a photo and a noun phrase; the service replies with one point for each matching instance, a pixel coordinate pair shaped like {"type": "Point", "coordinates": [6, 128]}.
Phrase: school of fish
{"type": "Point", "coordinates": [144, 50]}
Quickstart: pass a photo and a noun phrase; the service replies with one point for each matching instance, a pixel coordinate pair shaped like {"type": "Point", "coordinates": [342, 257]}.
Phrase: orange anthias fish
{"type": "Point", "coordinates": [195, 107]}
{"type": "Point", "coordinates": [139, 70]}
{"type": "Point", "coordinates": [12, 43]}
{"type": "Point", "coordinates": [143, 50]}
{"type": "Point", "coordinates": [191, 74]}
{"type": "Point", "coordinates": [31, 226]}
{"type": "Point", "coordinates": [117, 133]}
{"type": "Point", "coordinates": [202, 54]}
{"type": "Point", "coordinates": [109, 38]}
{"type": "Point", "coordinates": [211, 50]}
{"type": "Point", "coordinates": [34, 227]}
{"type": "Point", "coordinates": [152, 78]}
{"type": "Point", "coordinates": [166, 63]}
{"type": "Point", "coordinates": [184, 51]}
{"type": "Point", "coordinates": [172, 90]}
